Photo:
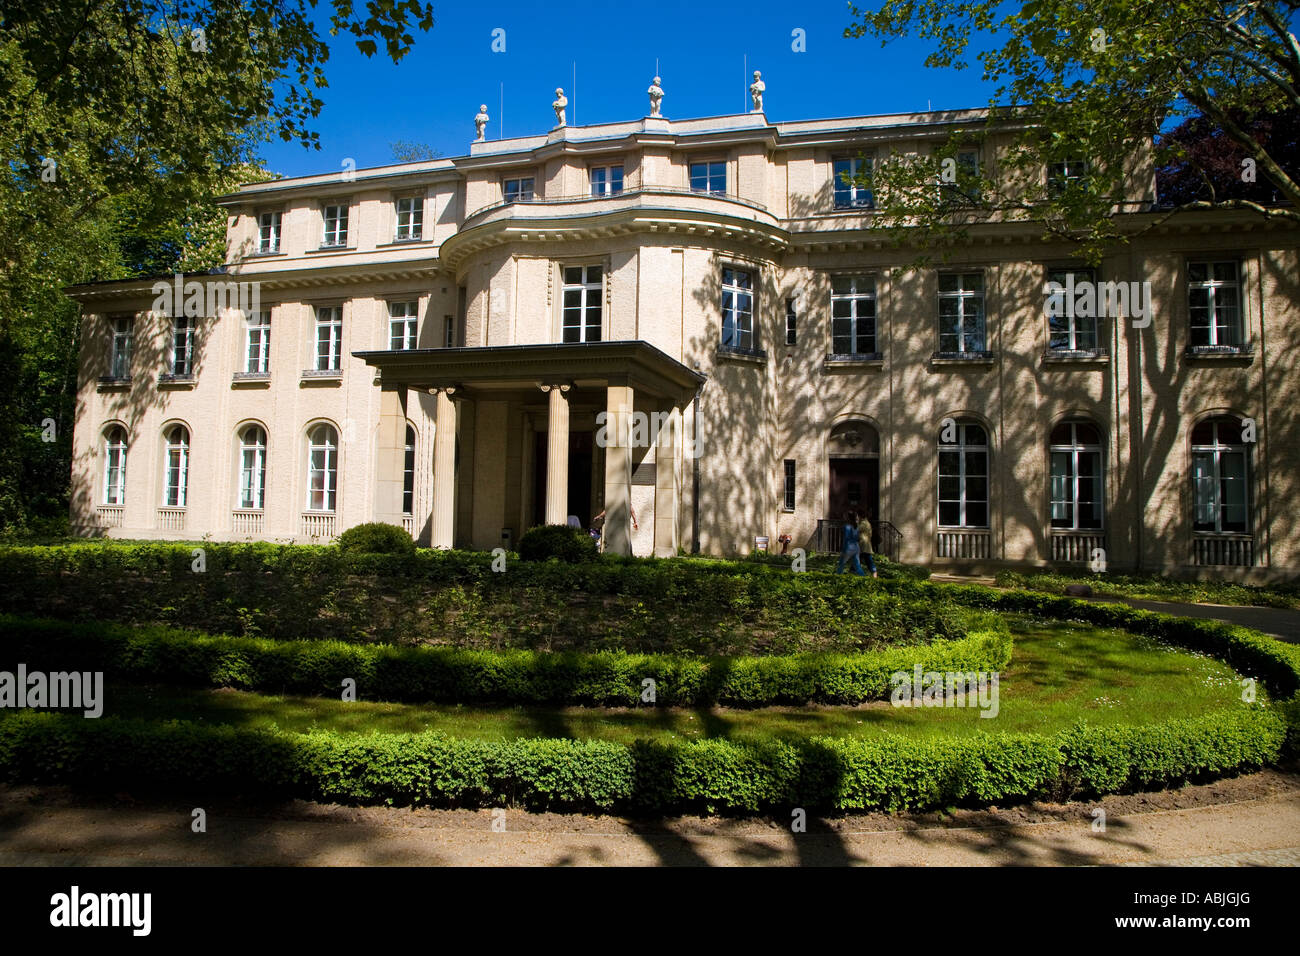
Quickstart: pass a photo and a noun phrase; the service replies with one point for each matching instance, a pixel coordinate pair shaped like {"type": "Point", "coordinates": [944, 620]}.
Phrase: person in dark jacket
{"type": "Point", "coordinates": [851, 547]}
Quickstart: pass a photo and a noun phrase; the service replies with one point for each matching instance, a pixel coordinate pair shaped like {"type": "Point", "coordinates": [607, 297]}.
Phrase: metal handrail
{"type": "Point", "coordinates": [636, 190]}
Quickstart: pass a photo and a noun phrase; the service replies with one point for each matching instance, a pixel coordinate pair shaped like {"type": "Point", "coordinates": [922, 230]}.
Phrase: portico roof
{"type": "Point", "coordinates": [490, 368]}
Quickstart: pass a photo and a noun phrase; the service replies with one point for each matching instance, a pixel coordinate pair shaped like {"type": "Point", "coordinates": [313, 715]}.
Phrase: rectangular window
{"type": "Point", "coordinates": [410, 218]}
{"type": "Point", "coordinates": [583, 303]}
{"type": "Point", "coordinates": [1214, 304]}
{"type": "Point", "coordinates": [403, 318]}
{"type": "Point", "coordinates": [1067, 330]}
{"type": "Point", "coordinates": [737, 309]}
{"type": "Point", "coordinates": [852, 183]}
{"type": "Point", "coordinates": [336, 226]}
{"type": "Point", "coordinates": [448, 332]}
{"type": "Point", "coordinates": [182, 357]}
{"type": "Point", "coordinates": [709, 178]}
{"type": "Point", "coordinates": [1071, 173]}
{"type": "Point", "coordinates": [329, 339]}
{"type": "Point", "coordinates": [961, 314]}
{"type": "Point", "coordinates": [789, 484]}
{"type": "Point", "coordinates": [964, 480]}
{"type": "Point", "coordinates": [791, 322]}
{"type": "Point", "coordinates": [606, 180]}
{"type": "Point", "coordinates": [408, 474]}
{"type": "Point", "coordinates": [959, 179]}
{"type": "Point", "coordinates": [119, 365]}
{"type": "Point", "coordinates": [257, 349]}
{"type": "Point", "coordinates": [853, 315]}
{"type": "Point", "coordinates": [519, 190]}
{"type": "Point", "coordinates": [268, 232]}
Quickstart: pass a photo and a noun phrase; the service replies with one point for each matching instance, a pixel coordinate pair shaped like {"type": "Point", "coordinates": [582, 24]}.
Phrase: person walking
{"type": "Point", "coordinates": [850, 550]}
{"type": "Point", "coordinates": [864, 544]}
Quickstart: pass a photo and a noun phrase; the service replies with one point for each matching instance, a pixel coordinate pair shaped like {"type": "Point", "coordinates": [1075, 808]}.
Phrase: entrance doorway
{"type": "Point", "coordinates": [581, 447]}
{"type": "Point", "coordinates": [855, 486]}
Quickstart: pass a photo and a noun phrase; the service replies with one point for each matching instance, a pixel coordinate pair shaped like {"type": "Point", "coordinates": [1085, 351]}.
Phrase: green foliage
{"type": "Point", "coordinates": [1088, 81]}
{"type": "Point", "coordinates": [556, 541]}
{"type": "Point", "coordinates": [749, 776]}
{"type": "Point", "coordinates": [375, 537]}
{"type": "Point", "coordinates": [448, 675]}
{"type": "Point", "coordinates": [1157, 588]}
{"type": "Point", "coordinates": [639, 605]}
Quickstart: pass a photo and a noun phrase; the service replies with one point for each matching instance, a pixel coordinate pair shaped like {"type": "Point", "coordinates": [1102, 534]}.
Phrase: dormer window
{"type": "Point", "coordinates": [1069, 174]}
{"type": "Point", "coordinates": [519, 190]}
{"type": "Point", "coordinates": [852, 174]}
{"type": "Point", "coordinates": [709, 178]}
{"type": "Point", "coordinates": [606, 180]}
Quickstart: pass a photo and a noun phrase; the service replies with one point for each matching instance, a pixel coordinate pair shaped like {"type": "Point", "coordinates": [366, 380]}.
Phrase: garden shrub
{"type": "Point", "coordinates": [451, 675]}
{"type": "Point", "coordinates": [566, 544]}
{"type": "Point", "coordinates": [376, 537]}
{"type": "Point", "coordinates": [745, 776]}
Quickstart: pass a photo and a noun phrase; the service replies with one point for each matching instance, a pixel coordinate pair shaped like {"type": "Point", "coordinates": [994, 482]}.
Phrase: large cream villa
{"type": "Point", "coordinates": [691, 321]}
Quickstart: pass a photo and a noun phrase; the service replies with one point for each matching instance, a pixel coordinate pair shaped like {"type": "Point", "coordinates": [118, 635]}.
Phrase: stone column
{"type": "Point", "coordinates": [617, 533]}
{"type": "Point", "coordinates": [557, 455]}
{"type": "Point", "coordinates": [390, 457]}
{"type": "Point", "coordinates": [666, 445]}
{"type": "Point", "coordinates": [444, 471]}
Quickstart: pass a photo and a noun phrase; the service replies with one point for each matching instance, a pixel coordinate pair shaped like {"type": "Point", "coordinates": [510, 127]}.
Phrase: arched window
{"type": "Point", "coordinates": [177, 468]}
{"type": "Point", "coordinates": [408, 473]}
{"type": "Point", "coordinates": [1077, 475]}
{"type": "Point", "coordinates": [115, 466]}
{"type": "Point", "coordinates": [1220, 476]}
{"type": "Point", "coordinates": [322, 468]}
{"type": "Point", "coordinates": [963, 475]}
{"type": "Point", "coordinates": [252, 468]}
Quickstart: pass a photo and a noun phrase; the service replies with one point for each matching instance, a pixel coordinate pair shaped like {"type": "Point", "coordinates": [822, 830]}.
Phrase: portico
{"type": "Point", "coordinates": [493, 473]}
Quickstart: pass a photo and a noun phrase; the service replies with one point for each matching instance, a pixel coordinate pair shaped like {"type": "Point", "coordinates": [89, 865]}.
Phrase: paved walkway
{"type": "Point", "coordinates": [1282, 623]}
{"type": "Point", "coordinates": [1250, 832]}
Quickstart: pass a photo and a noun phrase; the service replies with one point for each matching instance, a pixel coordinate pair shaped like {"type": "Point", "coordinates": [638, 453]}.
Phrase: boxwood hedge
{"type": "Point", "coordinates": [746, 776]}
{"type": "Point", "coordinates": [451, 675]}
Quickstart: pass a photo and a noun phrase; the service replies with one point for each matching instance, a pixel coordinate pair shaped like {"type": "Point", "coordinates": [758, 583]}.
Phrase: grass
{"type": "Point", "coordinates": [1061, 672]}
{"type": "Point", "coordinates": [1155, 588]}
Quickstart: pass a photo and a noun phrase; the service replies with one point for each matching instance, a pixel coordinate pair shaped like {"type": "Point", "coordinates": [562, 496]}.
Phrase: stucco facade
{"type": "Point", "coordinates": [485, 422]}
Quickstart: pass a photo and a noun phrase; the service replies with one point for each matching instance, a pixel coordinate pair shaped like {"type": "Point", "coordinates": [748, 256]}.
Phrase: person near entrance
{"type": "Point", "coordinates": [864, 544]}
{"type": "Point", "coordinates": [598, 526]}
{"type": "Point", "coordinates": [851, 547]}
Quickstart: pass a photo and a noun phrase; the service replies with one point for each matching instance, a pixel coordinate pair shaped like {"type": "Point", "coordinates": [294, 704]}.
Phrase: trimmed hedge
{"type": "Point", "coordinates": [449, 675]}
{"type": "Point", "coordinates": [641, 605]}
{"type": "Point", "coordinates": [557, 541]}
{"type": "Point", "coordinates": [376, 537]}
{"type": "Point", "coordinates": [887, 773]}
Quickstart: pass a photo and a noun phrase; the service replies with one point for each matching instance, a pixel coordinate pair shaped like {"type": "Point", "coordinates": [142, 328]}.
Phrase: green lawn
{"type": "Point", "coordinates": [1060, 672]}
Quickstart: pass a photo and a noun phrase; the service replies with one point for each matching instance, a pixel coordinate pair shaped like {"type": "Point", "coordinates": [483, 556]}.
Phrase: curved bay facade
{"type": "Point", "coordinates": [692, 327]}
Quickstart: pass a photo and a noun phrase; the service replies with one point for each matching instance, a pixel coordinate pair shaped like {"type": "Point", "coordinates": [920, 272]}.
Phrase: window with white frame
{"type": "Point", "coordinates": [176, 471]}
{"type": "Point", "coordinates": [408, 473]}
{"type": "Point", "coordinates": [182, 352]}
{"type": "Point", "coordinates": [115, 444]}
{"type": "Point", "coordinates": [1077, 476]}
{"type": "Point", "coordinates": [519, 189]}
{"type": "Point", "coordinates": [1067, 174]}
{"type": "Point", "coordinates": [737, 308]}
{"type": "Point", "coordinates": [1220, 476]}
{"type": "Point", "coordinates": [257, 343]}
{"type": "Point", "coordinates": [962, 187]}
{"type": "Point", "coordinates": [322, 468]}
{"type": "Point", "coordinates": [410, 218]}
{"type": "Point", "coordinates": [963, 476]}
{"type": "Point", "coordinates": [119, 365]}
{"type": "Point", "coordinates": [329, 338]}
{"type": "Point", "coordinates": [1068, 331]}
{"type": "Point", "coordinates": [336, 225]}
{"type": "Point", "coordinates": [583, 303]}
{"type": "Point", "coordinates": [852, 187]}
{"type": "Point", "coordinates": [853, 315]}
{"type": "Point", "coordinates": [252, 468]}
{"type": "Point", "coordinates": [1214, 304]}
{"type": "Point", "coordinates": [403, 318]}
{"type": "Point", "coordinates": [606, 180]}
{"type": "Point", "coordinates": [961, 314]}
{"type": "Point", "coordinates": [268, 232]}
{"type": "Point", "coordinates": [709, 178]}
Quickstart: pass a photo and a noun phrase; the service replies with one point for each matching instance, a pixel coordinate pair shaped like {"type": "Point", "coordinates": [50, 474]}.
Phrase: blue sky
{"type": "Point", "coordinates": [432, 96]}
